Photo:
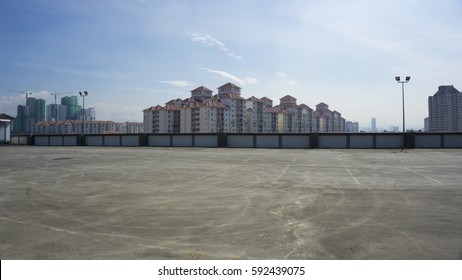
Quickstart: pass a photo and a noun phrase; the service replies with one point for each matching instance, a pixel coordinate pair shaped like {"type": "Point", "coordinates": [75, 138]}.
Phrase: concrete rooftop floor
{"type": "Point", "coordinates": [222, 203]}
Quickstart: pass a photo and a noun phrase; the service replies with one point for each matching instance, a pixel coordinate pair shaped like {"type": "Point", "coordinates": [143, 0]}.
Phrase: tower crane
{"type": "Point", "coordinates": [26, 92]}
{"type": "Point", "coordinates": [58, 93]}
{"type": "Point", "coordinates": [56, 96]}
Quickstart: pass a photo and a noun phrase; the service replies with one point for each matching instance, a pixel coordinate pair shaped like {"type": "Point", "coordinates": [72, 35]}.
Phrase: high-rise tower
{"type": "Point", "coordinates": [445, 109]}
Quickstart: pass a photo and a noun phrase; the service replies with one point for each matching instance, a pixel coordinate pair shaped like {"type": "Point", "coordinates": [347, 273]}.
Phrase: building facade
{"type": "Point", "coordinates": [130, 127]}
{"type": "Point", "coordinates": [445, 110]}
{"type": "Point", "coordinates": [75, 127]}
{"type": "Point", "coordinates": [27, 116]}
{"type": "Point", "coordinates": [72, 106]}
{"type": "Point", "coordinates": [351, 127]}
{"type": "Point", "coordinates": [56, 112]}
{"type": "Point", "coordinates": [229, 112]}
{"type": "Point", "coordinates": [88, 114]}
{"type": "Point", "coordinates": [158, 119]}
{"type": "Point", "coordinates": [327, 121]}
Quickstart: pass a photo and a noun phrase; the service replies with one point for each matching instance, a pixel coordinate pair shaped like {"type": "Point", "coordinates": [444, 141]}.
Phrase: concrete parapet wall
{"type": "Point", "coordinates": [206, 140]}
{"type": "Point", "coordinates": [240, 141]}
{"type": "Point", "coordinates": [295, 141]}
{"type": "Point", "coordinates": [252, 140]}
{"type": "Point", "coordinates": [267, 141]}
{"type": "Point", "coordinates": [453, 141]}
{"type": "Point", "coordinates": [94, 140]}
{"type": "Point", "coordinates": [55, 140]}
{"type": "Point", "coordinates": [156, 140]}
{"type": "Point", "coordinates": [332, 141]}
{"type": "Point", "coordinates": [389, 141]}
{"type": "Point", "coordinates": [362, 141]}
{"type": "Point", "coordinates": [428, 141]}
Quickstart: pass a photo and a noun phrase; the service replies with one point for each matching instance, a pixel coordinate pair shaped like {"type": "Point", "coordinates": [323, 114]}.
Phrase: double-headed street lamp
{"type": "Point", "coordinates": [398, 79]}
{"type": "Point", "coordinates": [83, 94]}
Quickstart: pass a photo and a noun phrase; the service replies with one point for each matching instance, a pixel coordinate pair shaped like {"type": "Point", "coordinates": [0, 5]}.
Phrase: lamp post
{"type": "Point", "coordinates": [398, 79]}
{"type": "Point", "coordinates": [83, 94]}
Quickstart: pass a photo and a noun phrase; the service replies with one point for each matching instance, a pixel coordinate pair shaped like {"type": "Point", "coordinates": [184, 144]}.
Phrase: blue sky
{"type": "Point", "coordinates": [133, 54]}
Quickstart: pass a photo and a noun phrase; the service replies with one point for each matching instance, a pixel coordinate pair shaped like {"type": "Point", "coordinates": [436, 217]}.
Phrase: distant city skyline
{"type": "Point", "coordinates": [130, 54]}
{"type": "Point", "coordinates": [36, 110]}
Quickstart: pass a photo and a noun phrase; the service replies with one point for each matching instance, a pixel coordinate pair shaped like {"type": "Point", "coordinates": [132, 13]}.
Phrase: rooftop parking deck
{"type": "Point", "coordinates": [221, 203]}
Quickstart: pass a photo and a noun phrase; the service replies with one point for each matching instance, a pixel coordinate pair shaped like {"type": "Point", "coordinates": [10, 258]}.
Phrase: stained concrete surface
{"type": "Point", "coordinates": [194, 203]}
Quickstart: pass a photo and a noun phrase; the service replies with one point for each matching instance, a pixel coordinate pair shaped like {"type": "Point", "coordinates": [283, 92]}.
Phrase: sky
{"type": "Point", "coordinates": [133, 54]}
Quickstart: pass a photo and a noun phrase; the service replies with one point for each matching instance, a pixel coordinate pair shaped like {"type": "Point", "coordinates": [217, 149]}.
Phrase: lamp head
{"type": "Point", "coordinates": [80, 93]}
{"type": "Point", "coordinates": [408, 78]}
{"type": "Point", "coordinates": [397, 78]}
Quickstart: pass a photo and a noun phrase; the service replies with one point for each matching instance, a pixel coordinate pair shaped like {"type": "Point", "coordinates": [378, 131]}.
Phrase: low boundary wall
{"type": "Point", "coordinates": [252, 140]}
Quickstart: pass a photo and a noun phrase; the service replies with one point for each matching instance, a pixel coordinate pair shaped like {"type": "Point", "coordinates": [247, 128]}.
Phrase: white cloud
{"type": "Point", "coordinates": [177, 83]}
{"type": "Point", "coordinates": [207, 40]}
{"type": "Point", "coordinates": [250, 80]}
{"type": "Point", "coordinates": [9, 103]}
{"type": "Point", "coordinates": [117, 112]}
{"type": "Point", "coordinates": [281, 76]}
{"type": "Point", "coordinates": [242, 81]}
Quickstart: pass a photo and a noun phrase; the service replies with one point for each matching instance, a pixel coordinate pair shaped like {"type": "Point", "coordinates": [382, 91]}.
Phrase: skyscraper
{"type": "Point", "coordinates": [22, 119]}
{"type": "Point", "coordinates": [373, 125]}
{"type": "Point", "coordinates": [89, 113]}
{"type": "Point", "coordinates": [445, 109]}
{"type": "Point", "coordinates": [72, 105]}
{"type": "Point", "coordinates": [29, 115]}
{"type": "Point", "coordinates": [39, 110]}
{"type": "Point", "coordinates": [56, 112]}
{"type": "Point", "coordinates": [351, 126]}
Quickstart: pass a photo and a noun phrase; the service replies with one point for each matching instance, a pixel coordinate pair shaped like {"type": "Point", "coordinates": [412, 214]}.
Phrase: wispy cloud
{"type": "Point", "coordinates": [242, 81]}
{"type": "Point", "coordinates": [9, 103]}
{"type": "Point", "coordinates": [117, 112]}
{"type": "Point", "coordinates": [208, 40]}
{"type": "Point", "coordinates": [281, 76]}
{"type": "Point", "coordinates": [177, 83]}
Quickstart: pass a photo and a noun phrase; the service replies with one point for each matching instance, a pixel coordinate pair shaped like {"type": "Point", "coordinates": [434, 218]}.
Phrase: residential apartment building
{"type": "Point", "coordinates": [23, 122]}
{"type": "Point", "coordinates": [230, 95]}
{"type": "Point", "coordinates": [270, 120]}
{"type": "Point", "coordinates": [213, 117]}
{"type": "Point", "coordinates": [158, 119]}
{"type": "Point", "coordinates": [229, 112]}
{"type": "Point", "coordinates": [27, 116]}
{"type": "Point", "coordinates": [207, 117]}
{"type": "Point", "coordinates": [270, 116]}
{"type": "Point", "coordinates": [254, 111]}
{"type": "Point", "coordinates": [301, 116]}
{"type": "Point", "coordinates": [326, 120]}
{"type": "Point", "coordinates": [305, 119]}
{"type": "Point", "coordinates": [72, 105]}
{"type": "Point", "coordinates": [445, 109]}
{"type": "Point", "coordinates": [130, 127]}
{"type": "Point", "coordinates": [351, 127]}
{"type": "Point", "coordinates": [89, 114]}
{"type": "Point", "coordinates": [284, 120]}
{"type": "Point", "coordinates": [56, 112]}
{"type": "Point", "coordinates": [190, 117]}
{"type": "Point", "coordinates": [75, 127]}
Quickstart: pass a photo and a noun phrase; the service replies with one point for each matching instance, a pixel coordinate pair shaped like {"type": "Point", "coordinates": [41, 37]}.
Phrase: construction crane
{"type": "Point", "coordinates": [26, 92]}
{"type": "Point", "coordinates": [56, 96]}
{"type": "Point", "coordinates": [58, 93]}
